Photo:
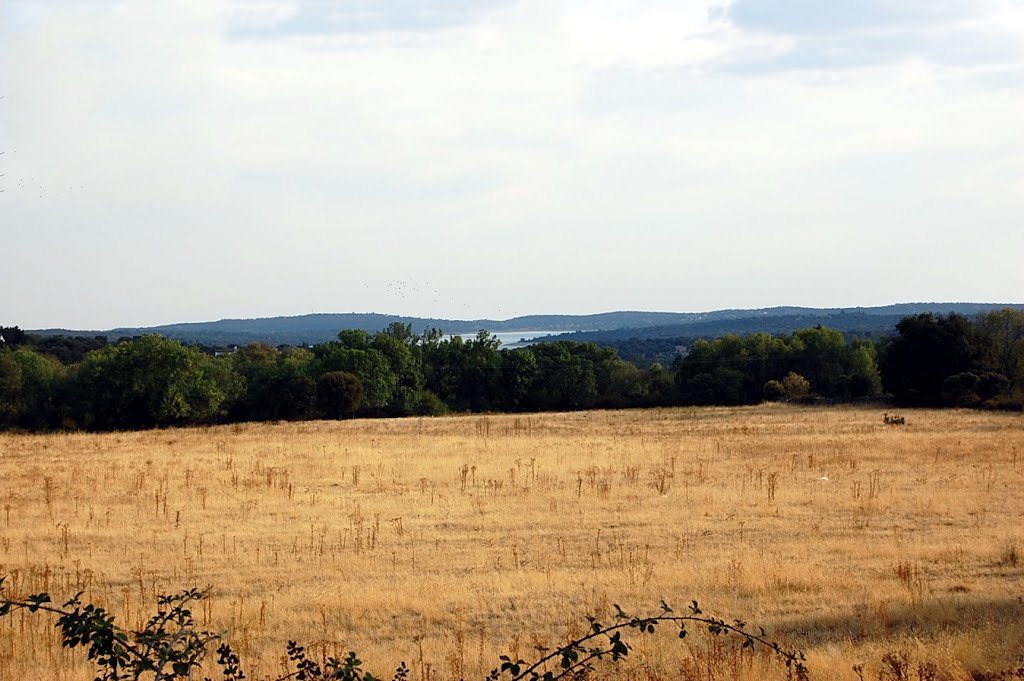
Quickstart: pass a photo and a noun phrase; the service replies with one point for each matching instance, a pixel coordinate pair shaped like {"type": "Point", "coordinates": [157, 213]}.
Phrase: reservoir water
{"type": "Point", "coordinates": [512, 339]}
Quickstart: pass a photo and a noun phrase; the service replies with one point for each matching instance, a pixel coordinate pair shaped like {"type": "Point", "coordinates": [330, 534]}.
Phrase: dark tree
{"type": "Point", "coordinates": [10, 388]}
{"type": "Point", "coordinates": [1001, 345]}
{"type": "Point", "coordinates": [339, 394]}
{"type": "Point", "coordinates": [566, 378]}
{"type": "Point", "coordinates": [13, 337]}
{"type": "Point", "coordinates": [927, 351]}
{"type": "Point", "coordinates": [279, 383]}
{"type": "Point", "coordinates": [353, 353]}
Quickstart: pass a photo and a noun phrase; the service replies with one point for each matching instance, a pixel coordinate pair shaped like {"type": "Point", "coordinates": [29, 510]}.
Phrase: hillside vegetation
{"type": "Point", "coordinates": [151, 381]}
{"type": "Point", "coordinates": [311, 329]}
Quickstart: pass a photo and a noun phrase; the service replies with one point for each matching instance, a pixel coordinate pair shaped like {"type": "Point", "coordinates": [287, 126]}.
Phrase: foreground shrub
{"type": "Point", "coordinates": [170, 647]}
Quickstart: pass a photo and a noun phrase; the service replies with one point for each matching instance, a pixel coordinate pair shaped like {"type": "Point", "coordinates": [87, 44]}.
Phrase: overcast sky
{"type": "Point", "coordinates": [195, 160]}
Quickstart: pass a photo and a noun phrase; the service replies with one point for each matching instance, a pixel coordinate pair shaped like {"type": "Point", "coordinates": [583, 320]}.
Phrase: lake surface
{"type": "Point", "coordinates": [511, 339]}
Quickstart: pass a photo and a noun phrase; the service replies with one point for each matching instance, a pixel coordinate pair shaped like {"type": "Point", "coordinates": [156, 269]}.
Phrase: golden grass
{"type": "Point", "coordinates": [448, 541]}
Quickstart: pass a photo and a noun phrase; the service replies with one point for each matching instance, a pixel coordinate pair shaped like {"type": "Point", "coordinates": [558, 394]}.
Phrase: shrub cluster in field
{"type": "Point", "coordinates": [150, 381]}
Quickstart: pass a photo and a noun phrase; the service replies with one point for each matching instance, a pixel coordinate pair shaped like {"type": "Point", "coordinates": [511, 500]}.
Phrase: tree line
{"type": "Point", "coordinates": [150, 381]}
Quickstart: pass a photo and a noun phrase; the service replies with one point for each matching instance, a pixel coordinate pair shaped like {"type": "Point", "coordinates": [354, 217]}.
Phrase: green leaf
{"type": "Point", "coordinates": [36, 600]}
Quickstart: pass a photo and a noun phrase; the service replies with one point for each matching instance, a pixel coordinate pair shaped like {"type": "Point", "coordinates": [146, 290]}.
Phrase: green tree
{"type": "Point", "coordinates": [765, 357]}
{"type": "Point", "coordinates": [861, 376]}
{"type": "Point", "coordinates": [722, 371]}
{"type": "Point", "coordinates": [339, 394]}
{"type": "Point", "coordinates": [566, 378]}
{"type": "Point", "coordinates": [401, 332]}
{"type": "Point", "coordinates": [355, 339]}
{"type": "Point", "coordinates": [1000, 336]}
{"type": "Point", "coordinates": [42, 381]}
{"type": "Point", "coordinates": [466, 375]}
{"type": "Point", "coordinates": [744, 370]}
{"type": "Point", "coordinates": [397, 345]}
{"type": "Point", "coordinates": [294, 389]}
{"type": "Point", "coordinates": [519, 371]}
{"type": "Point", "coordinates": [353, 353]}
{"type": "Point", "coordinates": [481, 376]}
{"type": "Point", "coordinates": [627, 386]}
{"type": "Point", "coordinates": [279, 383]}
{"type": "Point", "coordinates": [823, 360]}
{"type": "Point", "coordinates": [441, 358]}
{"type": "Point", "coordinates": [10, 388]}
{"type": "Point", "coordinates": [150, 382]}
{"type": "Point", "coordinates": [660, 386]}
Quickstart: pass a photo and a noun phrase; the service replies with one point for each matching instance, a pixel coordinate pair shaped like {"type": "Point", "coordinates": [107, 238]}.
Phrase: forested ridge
{"type": "Point", "coordinates": [606, 328]}
{"type": "Point", "coordinates": [55, 382]}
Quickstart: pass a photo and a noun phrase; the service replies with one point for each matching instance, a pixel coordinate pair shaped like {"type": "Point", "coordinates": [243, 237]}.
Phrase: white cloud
{"type": "Point", "coordinates": [811, 17]}
{"type": "Point", "coordinates": [527, 157]}
{"type": "Point", "coordinates": [274, 19]}
{"type": "Point", "coordinates": [874, 32]}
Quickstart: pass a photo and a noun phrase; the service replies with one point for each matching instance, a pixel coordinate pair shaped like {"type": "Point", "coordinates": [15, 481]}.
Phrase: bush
{"type": "Point", "coordinates": [429, 404]}
{"type": "Point", "coordinates": [773, 391]}
{"type": "Point", "coordinates": [1006, 402]}
{"type": "Point", "coordinates": [795, 386]}
{"type": "Point", "coordinates": [169, 646]}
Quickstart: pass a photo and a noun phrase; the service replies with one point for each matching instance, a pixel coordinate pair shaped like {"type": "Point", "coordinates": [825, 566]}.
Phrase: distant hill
{"type": "Point", "coordinates": [644, 346]}
{"type": "Point", "coordinates": [605, 327]}
{"type": "Point", "coordinates": [853, 322]}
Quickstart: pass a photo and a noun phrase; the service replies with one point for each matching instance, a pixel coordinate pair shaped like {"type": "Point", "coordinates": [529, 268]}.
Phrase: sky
{"type": "Point", "coordinates": [204, 159]}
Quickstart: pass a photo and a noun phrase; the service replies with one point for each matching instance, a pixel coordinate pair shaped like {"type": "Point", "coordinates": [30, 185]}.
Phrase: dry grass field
{"type": "Point", "coordinates": [446, 542]}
